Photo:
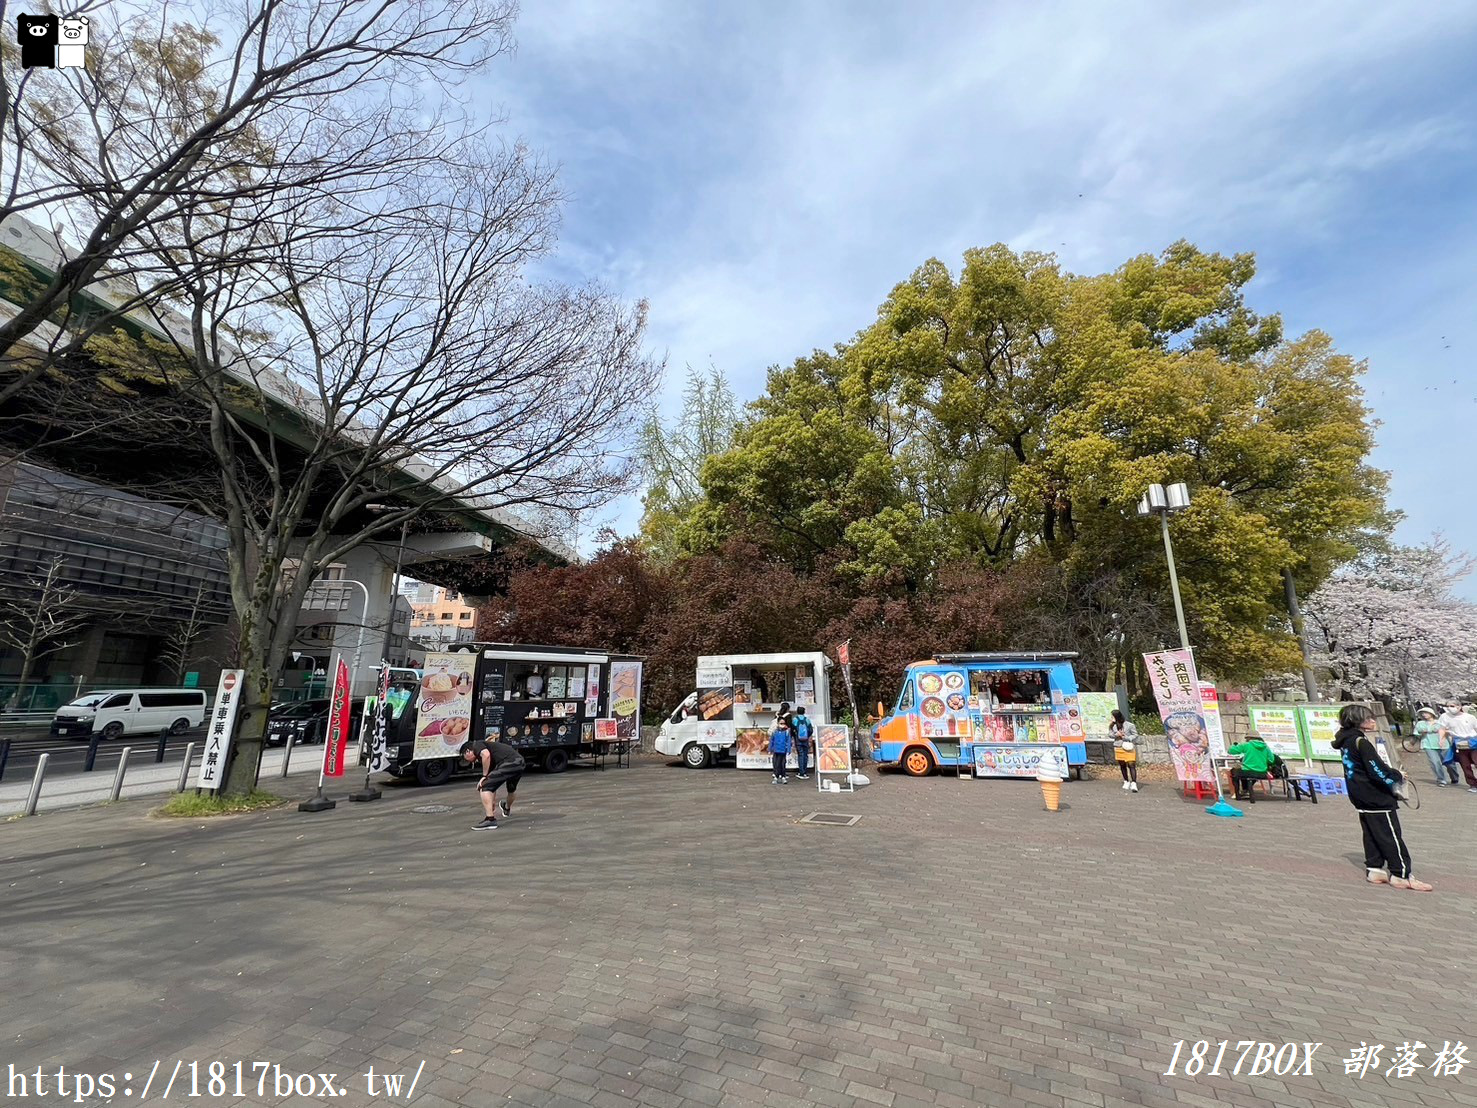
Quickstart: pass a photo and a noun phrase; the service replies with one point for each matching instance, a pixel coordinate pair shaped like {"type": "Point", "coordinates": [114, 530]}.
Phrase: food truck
{"type": "Point", "coordinates": [733, 705]}
{"type": "Point", "coordinates": [997, 715]}
{"type": "Point", "coordinates": [553, 703]}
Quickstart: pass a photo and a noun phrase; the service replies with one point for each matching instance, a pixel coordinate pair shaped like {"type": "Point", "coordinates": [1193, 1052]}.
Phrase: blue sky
{"type": "Point", "coordinates": [764, 173]}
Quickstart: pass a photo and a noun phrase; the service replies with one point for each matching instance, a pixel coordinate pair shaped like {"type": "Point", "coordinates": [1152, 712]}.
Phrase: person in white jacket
{"type": "Point", "coordinates": [1125, 750]}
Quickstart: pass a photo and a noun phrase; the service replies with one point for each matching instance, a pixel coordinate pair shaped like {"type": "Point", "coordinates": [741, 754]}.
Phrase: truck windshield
{"type": "Point", "coordinates": [686, 709]}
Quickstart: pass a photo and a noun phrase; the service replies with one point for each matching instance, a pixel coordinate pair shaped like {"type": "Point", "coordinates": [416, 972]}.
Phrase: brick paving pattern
{"type": "Point", "coordinates": [666, 937]}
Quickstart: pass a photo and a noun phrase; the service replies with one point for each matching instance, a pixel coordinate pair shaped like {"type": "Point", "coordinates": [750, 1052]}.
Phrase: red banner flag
{"type": "Point", "coordinates": [335, 746]}
{"type": "Point", "coordinates": [843, 653]}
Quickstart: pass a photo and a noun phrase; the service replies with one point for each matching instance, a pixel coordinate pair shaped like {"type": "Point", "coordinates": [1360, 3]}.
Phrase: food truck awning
{"type": "Point", "coordinates": [536, 656]}
{"type": "Point", "coordinates": [1011, 656]}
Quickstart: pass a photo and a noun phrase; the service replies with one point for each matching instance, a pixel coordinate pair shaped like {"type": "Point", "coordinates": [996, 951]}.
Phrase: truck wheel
{"type": "Point", "coordinates": [435, 771]}
{"type": "Point", "coordinates": [696, 755]}
{"type": "Point", "coordinates": [179, 726]}
{"type": "Point", "coordinates": [917, 762]}
{"type": "Point", "coordinates": [113, 730]}
{"type": "Point", "coordinates": [556, 761]}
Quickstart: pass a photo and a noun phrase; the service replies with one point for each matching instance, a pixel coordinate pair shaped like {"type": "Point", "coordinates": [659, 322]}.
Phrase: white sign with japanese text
{"type": "Point", "coordinates": [220, 726]}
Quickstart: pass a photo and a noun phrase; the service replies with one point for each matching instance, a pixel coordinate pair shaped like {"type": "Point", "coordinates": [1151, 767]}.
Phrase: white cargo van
{"type": "Point", "coordinates": [733, 706]}
{"type": "Point", "coordinates": [131, 711]}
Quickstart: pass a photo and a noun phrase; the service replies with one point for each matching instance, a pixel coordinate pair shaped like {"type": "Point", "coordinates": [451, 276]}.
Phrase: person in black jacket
{"type": "Point", "coordinates": [1371, 784]}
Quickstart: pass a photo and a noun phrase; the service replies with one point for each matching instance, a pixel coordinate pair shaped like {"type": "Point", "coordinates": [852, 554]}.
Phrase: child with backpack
{"type": "Point", "coordinates": [802, 732]}
{"type": "Point", "coordinates": [779, 749]}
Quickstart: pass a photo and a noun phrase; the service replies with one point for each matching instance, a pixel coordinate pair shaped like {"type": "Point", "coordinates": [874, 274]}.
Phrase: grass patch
{"type": "Point", "coordinates": [189, 806]}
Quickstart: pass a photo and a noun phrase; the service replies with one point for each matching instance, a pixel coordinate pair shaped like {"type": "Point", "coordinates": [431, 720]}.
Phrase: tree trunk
{"type": "Point", "coordinates": [28, 663]}
{"type": "Point", "coordinates": [251, 730]}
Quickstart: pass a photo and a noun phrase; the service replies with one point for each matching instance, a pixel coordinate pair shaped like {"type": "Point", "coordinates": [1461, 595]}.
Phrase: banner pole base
{"type": "Point", "coordinates": [321, 803]}
{"type": "Point", "coordinates": [1221, 808]}
{"type": "Point", "coordinates": [369, 792]}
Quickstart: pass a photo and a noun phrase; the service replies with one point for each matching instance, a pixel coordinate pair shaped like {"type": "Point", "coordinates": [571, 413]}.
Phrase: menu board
{"type": "Point", "coordinates": [1278, 727]}
{"type": "Point", "coordinates": [444, 718]}
{"type": "Point", "coordinates": [1321, 724]}
{"type": "Point", "coordinates": [1097, 712]}
{"type": "Point", "coordinates": [558, 681]}
{"type": "Point", "coordinates": [804, 686]}
{"type": "Point", "coordinates": [625, 698]}
{"type": "Point", "coordinates": [606, 731]}
{"type": "Point", "coordinates": [943, 705]}
{"type": "Point", "coordinates": [833, 748]}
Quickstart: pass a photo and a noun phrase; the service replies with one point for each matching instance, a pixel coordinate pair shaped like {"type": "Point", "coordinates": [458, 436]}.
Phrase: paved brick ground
{"type": "Point", "coordinates": [669, 937]}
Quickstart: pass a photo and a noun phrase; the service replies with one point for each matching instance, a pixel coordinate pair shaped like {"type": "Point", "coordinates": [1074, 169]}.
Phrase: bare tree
{"type": "Point", "coordinates": [172, 123]}
{"type": "Point", "coordinates": [182, 637]}
{"type": "Point", "coordinates": [350, 311]}
{"type": "Point", "coordinates": [361, 353]}
{"type": "Point", "coordinates": [39, 617]}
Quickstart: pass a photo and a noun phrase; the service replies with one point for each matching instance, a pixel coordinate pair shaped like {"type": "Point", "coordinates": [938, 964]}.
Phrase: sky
{"type": "Point", "coordinates": [763, 174]}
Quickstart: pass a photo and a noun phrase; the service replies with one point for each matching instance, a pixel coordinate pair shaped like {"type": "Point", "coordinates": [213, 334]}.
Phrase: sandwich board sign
{"type": "Point", "coordinates": [833, 757]}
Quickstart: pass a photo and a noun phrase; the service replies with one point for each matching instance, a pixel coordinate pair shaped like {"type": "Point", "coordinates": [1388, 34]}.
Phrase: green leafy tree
{"type": "Point", "coordinates": [1019, 411]}
{"type": "Point", "coordinates": [672, 456]}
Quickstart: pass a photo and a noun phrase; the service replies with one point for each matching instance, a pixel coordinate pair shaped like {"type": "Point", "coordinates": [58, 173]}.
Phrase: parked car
{"type": "Point", "coordinates": [131, 711]}
{"type": "Point", "coordinates": [308, 721]}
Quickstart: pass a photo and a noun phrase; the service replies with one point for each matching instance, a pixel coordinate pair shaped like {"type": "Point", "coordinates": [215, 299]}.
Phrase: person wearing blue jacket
{"type": "Point", "coordinates": [779, 749]}
{"type": "Point", "coordinates": [803, 732]}
{"type": "Point", "coordinates": [1371, 785]}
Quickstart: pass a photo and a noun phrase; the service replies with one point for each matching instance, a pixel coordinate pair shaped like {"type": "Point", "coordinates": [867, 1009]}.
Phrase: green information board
{"type": "Point", "coordinates": [1277, 724]}
{"type": "Point", "coordinates": [1298, 730]}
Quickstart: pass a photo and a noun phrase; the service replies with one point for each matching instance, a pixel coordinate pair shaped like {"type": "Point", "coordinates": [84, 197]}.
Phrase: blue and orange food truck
{"type": "Point", "coordinates": [996, 714]}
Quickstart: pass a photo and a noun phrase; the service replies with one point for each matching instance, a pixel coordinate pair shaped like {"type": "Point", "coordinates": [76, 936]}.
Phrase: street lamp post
{"type": "Point", "coordinates": [1161, 501]}
{"type": "Point", "coordinates": [312, 673]}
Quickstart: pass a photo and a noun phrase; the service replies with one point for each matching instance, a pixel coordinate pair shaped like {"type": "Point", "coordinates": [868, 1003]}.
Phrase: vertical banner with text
{"type": "Point", "coordinates": [378, 746]}
{"type": "Point", "coordinates": [336, 743]}
{"type": "Point", "coordinates": [1177, 691]}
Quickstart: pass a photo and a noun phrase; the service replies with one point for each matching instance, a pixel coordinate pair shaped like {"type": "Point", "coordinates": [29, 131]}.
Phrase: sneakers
{"type": "Point", "coordinates": [1133, 786]}
{"type": "Point", "coordinates": [1411, 883]}
{"type": "Point", "coordinates": [1125, 786]}
{"type": "Point", "coordinates": [803, 776]}
{"type": "Point", "coordinates": [1378, 877]}
{"type": "Point", "coordinates": [775, 780]}
{"type": "Point", "coordinates": [1473, 789]}
{"type": "Point", "coordinates": [785, 780]}
{"type": "Point", "coordinates": [502, 808]}
{"type": "Point", "coordinates": [1441, 784]}
{"type": "Point", "coordinates": [487, 824]}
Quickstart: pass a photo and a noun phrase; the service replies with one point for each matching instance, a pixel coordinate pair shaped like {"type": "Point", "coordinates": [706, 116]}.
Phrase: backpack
{"type": "Point", "coordinates": [801, 727]}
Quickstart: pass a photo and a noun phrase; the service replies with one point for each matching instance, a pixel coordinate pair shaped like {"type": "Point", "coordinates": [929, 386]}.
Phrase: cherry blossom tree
{"type": "Point", "coordinates": [1391, 626]}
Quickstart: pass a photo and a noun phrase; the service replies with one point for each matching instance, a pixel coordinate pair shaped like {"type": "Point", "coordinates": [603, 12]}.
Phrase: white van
{"type": "Point", "coordinates": [131, 711]}
{"type": "Point", "coordinates": [733, 706]}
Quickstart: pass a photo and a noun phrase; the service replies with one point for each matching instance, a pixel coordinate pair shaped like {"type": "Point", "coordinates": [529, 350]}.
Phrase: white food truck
{"type": "Point", "coordinates": [733, 707]}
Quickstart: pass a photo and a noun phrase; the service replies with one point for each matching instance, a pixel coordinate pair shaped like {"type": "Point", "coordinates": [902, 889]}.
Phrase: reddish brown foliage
{"type": "Point", "coordinates": [737, 600]}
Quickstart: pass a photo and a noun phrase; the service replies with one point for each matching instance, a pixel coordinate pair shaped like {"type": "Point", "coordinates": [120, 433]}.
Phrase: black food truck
{"type": "Point", "coordinates": [553, 703]}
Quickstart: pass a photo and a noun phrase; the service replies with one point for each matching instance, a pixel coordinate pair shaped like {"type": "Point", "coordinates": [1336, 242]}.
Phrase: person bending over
{"type": "Point", "coordinates": [502, 768]}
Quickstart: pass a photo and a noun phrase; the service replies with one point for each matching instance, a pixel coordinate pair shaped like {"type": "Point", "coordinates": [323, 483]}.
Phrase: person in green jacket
{"type": "Point", "coordinates": [1257, 760]}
